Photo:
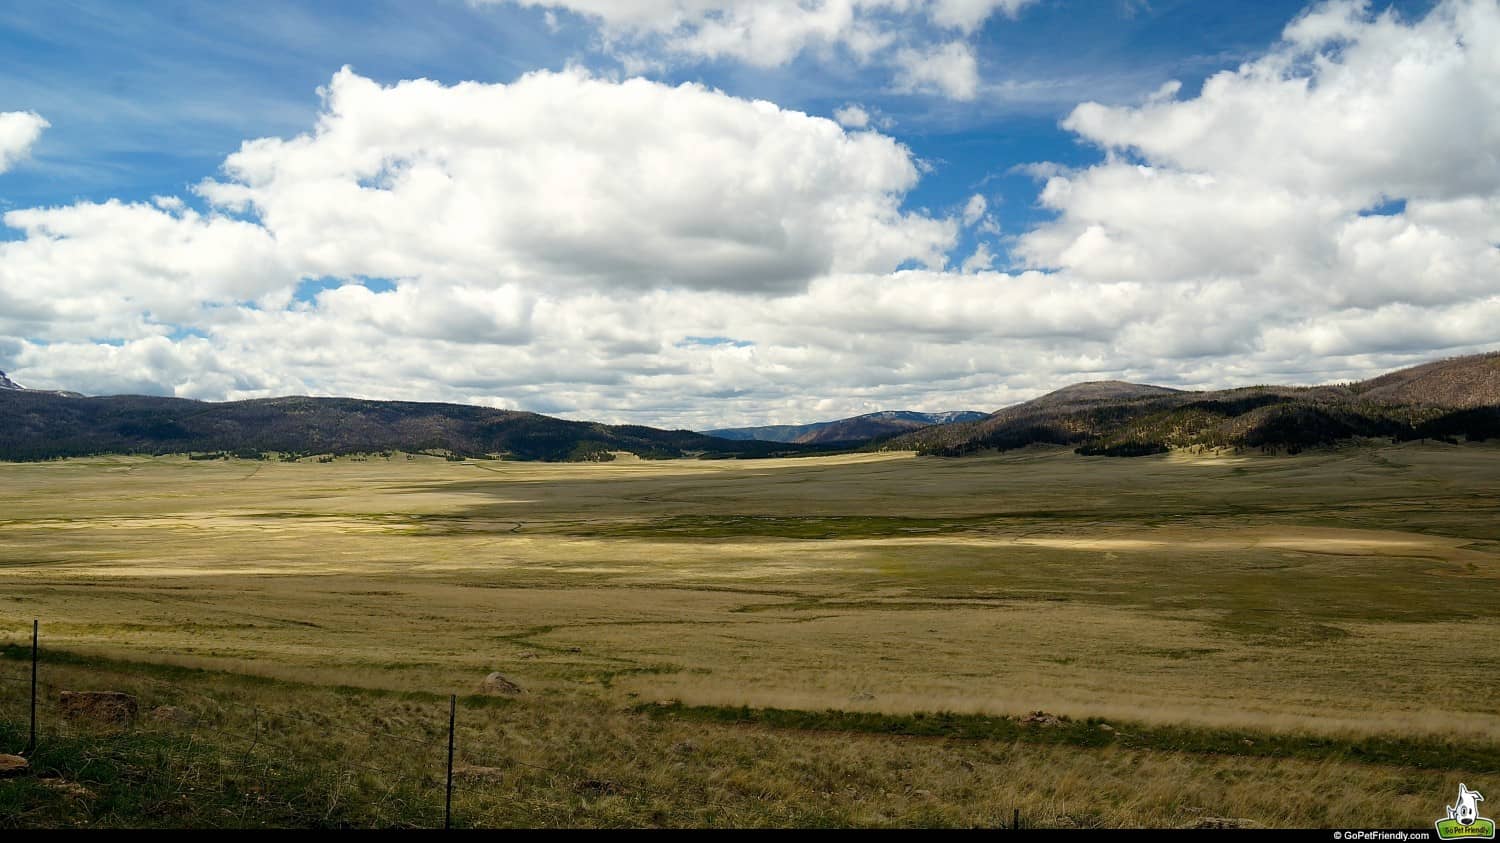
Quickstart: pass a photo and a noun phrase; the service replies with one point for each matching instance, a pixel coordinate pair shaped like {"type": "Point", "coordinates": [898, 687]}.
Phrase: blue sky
{"type": "Point", "coordinates": [917, 261]}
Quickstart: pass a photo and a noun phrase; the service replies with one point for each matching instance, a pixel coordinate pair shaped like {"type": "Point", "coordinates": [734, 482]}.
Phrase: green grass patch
{"type": "Point", "coordinates": [126, 669]}
{"type": "Point", "coordinates": [139, 779]}
{"type": "Point", "coordinates": [1095, 732]}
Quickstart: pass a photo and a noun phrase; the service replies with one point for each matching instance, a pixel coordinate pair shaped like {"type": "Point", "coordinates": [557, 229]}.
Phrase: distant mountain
{"type": "Point", "coordinates": [43, 425]}
{"type": "Point", "coordinates": [768, 433]}
{"type": "Point", "coordinates": [7, 383]}
{"type": "Point", "coordinates": [1448, 400]}
{"type": "Point", "coordinates": [857, 429]}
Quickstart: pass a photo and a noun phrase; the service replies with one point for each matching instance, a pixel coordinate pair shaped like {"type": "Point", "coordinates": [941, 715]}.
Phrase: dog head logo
{"type": "Point", "coordinates": [1466, 809]}
{"type": "Point", "coordinates": [1463, 821]}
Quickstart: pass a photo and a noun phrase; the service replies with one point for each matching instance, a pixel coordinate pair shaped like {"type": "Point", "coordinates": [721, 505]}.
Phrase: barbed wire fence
{"type": "Point", "coordinates": [437, 763]}
{"type": "Point", "coordinates": [254, 736]}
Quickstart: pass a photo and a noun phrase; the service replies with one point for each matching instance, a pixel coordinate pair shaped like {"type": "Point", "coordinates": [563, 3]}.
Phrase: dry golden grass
{"type": "Point", "coordinates": [252, 753]}
{"type": "Point", "coordinates": [1343, 593]}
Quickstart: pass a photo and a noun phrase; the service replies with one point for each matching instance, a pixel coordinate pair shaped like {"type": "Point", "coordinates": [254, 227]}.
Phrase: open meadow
{"type": "Point", "coordinates": [853, 639]}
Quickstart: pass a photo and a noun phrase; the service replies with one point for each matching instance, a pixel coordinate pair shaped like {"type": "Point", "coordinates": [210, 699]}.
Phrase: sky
{"type": "Point", "coordinates": [710, 213]}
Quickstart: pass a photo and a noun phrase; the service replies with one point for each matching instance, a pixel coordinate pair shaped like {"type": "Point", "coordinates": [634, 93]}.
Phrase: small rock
{"type": "Point", "coordinates": [1222, 822]}
{"type": "Point", "coordinates": [598, 787]}
{"type": "Point", "coordinates": [1042, 718]}
{"type": "Point", "coordinates": [13, 765]}
{"type": "Point", "coordinates": [474, 772]}
{"type": "Point", "coordinates": [861, 696]}
{"type": "Point", "coordinates": [1105, 727]}
{"type": "Point", "coordinates": [527, 656]}
{"type": "Point", "coordinates": [496, 683]}
{"type": "Point", "coordinates": [575, 649]}
{"type": "Point", "coordinates": [684, 747]}
{"type": "Point", "coordinates": [171, 714]}
{"type": "Point", "coordinates": [67, 788]}
{"type": "Point", "coordinates": [104, 706]}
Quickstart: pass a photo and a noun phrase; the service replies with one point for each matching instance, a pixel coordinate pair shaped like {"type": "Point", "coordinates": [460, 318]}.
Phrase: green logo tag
{"type": "Point", "coordinates": [1463, 821]}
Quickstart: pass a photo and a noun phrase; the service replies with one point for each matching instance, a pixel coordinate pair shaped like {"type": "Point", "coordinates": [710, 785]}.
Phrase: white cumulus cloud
{"type": "Point", "coordinates": [913, 35]}
{"type": "Point", "coordinates": [560, 179]}
{"type": "Point", "coordinates": [852, 117]}
{"type": "Point", "coordinates": [114, 270]}
{"type": "Point", "coordinates": [1271, 177]}
{"type": "Point", "coordinates": [949, 69]}
{"type": "Point", "coordinates": [19, 130]}
{"type": "Point", "coordinates": [1351, 105]}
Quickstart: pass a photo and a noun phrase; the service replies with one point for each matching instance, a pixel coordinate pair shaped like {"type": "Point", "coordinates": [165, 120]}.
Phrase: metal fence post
{"type": "Point", "coordinates": [31, 744]}
{"type": "Point", "coordinates": [452, 720]}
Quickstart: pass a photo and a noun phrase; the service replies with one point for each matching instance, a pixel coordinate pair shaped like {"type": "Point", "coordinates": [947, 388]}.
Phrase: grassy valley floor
{"type": "Point", "coordinates": [1286, 640]}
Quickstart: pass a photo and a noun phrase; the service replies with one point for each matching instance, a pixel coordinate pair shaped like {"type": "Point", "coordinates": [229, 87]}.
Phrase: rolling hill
{"type": "Point", "coordinates": [44, 425]}
{"type": "Point", "coordinates": [856, 429]}
{"type": "Point", "coordinates": [1460, 383]}
{"type": "Point", "coordinates": [1448, 400]}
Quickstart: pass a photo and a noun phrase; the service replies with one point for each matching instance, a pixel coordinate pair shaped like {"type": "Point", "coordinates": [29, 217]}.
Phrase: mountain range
{"type": "Point", "coordinates": [857, 429]}
{"type": "Point", "coordinates": [45, 425]}
{"type": "Point", "coordinates": [1444, 400]}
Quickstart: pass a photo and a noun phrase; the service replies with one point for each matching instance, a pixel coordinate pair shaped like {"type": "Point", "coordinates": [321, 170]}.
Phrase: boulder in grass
{"type": "Point", "coordinates": [13, 765]}
{"type": "Point", "coordinates": [496, 683]}
{"type": "Point", "coordinates": [112, 707]}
